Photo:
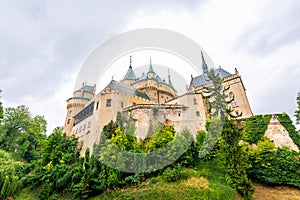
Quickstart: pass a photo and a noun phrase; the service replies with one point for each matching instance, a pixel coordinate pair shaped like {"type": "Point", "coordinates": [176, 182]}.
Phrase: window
{"type": "Point", "coordinates": [84, 126]}
{"type": "Point", "coordinates": [122, 104]}
{"type": "Point", "coordinates": [97, 105]}
{"type": "Point", "coordinates": [197, 113]}
{"type": "Point", "coordinates": [232, 99]}
{"type": "Point", "coordinates": [108, 103]}
{"type": "Point", "coordinates": [89, 124]}
{"type": "Point", "coordinates": [133, 103]}
{"type": "Point", "coordinates": [195, 101]}
{"type": "Point", "coordinates": [69, 121]}
{"type": "Point", "coordinates": [178, 114]}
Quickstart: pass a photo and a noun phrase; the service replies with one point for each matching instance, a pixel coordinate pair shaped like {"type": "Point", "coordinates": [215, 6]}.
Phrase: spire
{"type": "Point", "coordinates": [150, 67]}
{"type": "Point", "coordinates": [130, 62]}
{"type": "Point", "coordinates": [130, 75]}
{"type": "Point", "coordinates": [169, 77]}
{"type": "Point", "coordinates": [204, 65]}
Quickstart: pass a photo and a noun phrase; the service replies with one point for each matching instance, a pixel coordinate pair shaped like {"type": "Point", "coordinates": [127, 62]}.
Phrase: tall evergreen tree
{"type": "Point", "coordinates": [297, 112]}
{"type": "Point", "coordinates": [234, 157]}
{"type": "Point", "coordinates": [231, 152]}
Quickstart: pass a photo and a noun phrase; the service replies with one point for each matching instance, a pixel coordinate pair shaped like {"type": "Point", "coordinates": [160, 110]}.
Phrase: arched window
{"type": "Point", "coordinates": [197, 113]}
{"type": "Point", "coordinates": [195, 101]}
{"type": "Point", "coordinates": [233, 100]}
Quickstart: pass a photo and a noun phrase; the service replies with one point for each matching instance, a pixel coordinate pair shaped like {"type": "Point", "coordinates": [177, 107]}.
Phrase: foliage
{"type": "Point", "coordinates": [10, 175]}
{"type": "Point", "coordinates": [119, 120]}
{"type": "Point", "coordinates": [234, 158]}
{"type": "Point", "coordinates": [255, 127]}
{"type": "Point", "coordinates": [217, 95]}
{"type": "Point", "coordinates": [53, 172]}
{"type": "Point", "coordinates": [275, 166]}
{"type": "Point", "coordinates": [173, 174]}
{"type": "Point", "coordinates": [60, 148]}
{"type": "Point", "coordinates": [285, 120]}
{"type": "Point", "coordinates": [22, 133]}
{"type": "Point", "coordinates": [160, 139]}
{"type": "Point", "coordinates": [204, 181]}
{"type": "Point", "coordinates": [297, 112]}
{"type": "Point", "coordinates": [1, 111]}
{"type": "Point", "coordinates": [109, 129]}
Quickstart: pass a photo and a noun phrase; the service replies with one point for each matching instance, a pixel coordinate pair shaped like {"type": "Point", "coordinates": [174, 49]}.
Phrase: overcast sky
{"type": "Point", "coordinates": [44, 43]}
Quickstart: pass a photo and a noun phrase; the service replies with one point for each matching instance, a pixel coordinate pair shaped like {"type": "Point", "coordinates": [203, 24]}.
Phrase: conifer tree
{"type": "Point", "coordinates": [297, 112]}
{"type": "Point", "coordinates": [231, 152]}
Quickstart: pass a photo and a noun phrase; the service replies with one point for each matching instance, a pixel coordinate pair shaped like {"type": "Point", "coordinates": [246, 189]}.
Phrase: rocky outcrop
{"type": "Point", "coordinates": [279, 135]}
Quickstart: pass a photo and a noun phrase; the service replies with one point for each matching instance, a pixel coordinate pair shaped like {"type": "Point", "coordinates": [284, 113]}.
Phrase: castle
{"type": "Point", "coordinates": [146, 101]}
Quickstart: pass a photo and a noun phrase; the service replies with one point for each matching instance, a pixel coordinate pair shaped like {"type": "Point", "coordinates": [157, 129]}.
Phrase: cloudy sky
{"type": "Point", "coordinates": [43, 44]}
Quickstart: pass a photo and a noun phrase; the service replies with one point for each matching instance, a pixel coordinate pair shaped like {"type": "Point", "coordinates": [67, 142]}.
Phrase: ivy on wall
{"type": "Point", "coordinates": [255, 127]}
{"type": "Point", "coordinates": [286, 121]}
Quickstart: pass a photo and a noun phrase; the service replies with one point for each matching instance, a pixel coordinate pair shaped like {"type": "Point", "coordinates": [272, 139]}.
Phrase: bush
{"type": "Point", "coordinates": [10, 175]}
{"type": "Point", "coordinates": [174, 174]}
{"type": "Point", "coordinates": [278, 167]}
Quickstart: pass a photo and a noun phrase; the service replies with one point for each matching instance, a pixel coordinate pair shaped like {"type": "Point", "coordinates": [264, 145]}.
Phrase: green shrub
{"type": "Point", "coordinates": [10, 175]}
{"type": "Point", "coordinates": [278, 167]}
{"type": "Point", "coordinates": [174, 174]}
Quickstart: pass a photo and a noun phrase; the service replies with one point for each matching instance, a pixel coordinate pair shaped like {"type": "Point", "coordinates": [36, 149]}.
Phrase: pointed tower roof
{"type": "Point", "coordinates": [150, 67]}
{"type": "Point", "coordinates": [130, 75]}
{"type": "Point", "coordinates": [204, 65]}
{"type": "Point", "coordinates": [169, 77]}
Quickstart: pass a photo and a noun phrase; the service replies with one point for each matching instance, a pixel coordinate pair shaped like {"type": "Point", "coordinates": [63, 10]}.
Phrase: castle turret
{"type": "Point", "coordinates": [151, 73]}
{"type": "Point", "coordinates": [129, 77]}
{"type": "Point", "coordinates": [76, 103]}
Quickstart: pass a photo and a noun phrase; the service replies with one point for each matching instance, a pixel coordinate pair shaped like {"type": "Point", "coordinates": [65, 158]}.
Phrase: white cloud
{"type": "Point", "coordinates": [220, 28]}
{"type": "Point", "coordinates": [44, 43]}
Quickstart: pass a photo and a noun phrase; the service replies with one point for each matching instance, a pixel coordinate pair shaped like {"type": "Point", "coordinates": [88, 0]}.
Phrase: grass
{"type": "Point", "coordinates": [206, 181]}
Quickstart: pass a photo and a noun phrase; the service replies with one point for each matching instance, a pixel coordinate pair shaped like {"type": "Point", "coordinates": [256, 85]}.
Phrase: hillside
{"type": "Point", "coordinates": [58, 172]}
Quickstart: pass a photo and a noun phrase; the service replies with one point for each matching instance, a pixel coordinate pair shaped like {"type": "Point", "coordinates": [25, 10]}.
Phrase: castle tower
{"type": "Point", "coordinates": [76, 103]}
{"type": "Point", "coordinates": [151, 74]}
{"type": "Point", "coordinates": [129, 77]}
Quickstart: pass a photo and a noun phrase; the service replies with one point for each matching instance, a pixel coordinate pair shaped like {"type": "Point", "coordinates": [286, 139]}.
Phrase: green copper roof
{"type": "Point", "coordinates": [127, 89]}
{"type": "Point", "coordinates": [150, 67]}
{"type": "Point", "coordinates": [158, 79]}
{"type": "Point", "coordinates": [130, 75]}
{"type": "Point", "coordinates": [87, 88]}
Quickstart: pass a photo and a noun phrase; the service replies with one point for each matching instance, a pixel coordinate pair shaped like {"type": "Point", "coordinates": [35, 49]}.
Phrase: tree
{"type": "Point", "coordinates": [60, 148]}
{"type": "Point", "coordinates": [231, 153]}
{"type": "Point", "coordinates": [119, 120]}
{"type": "Point", "coordinates": [234, 157]}
{"type": "Point", "coordinates": [297, 112]}
{"type": "Point", "coordinates": [22, 133]}
{"type": "Point", "coordinates": [1, 111]}
{"type": "Point", "coordinates": [216, 93]}
{"type": "Point", "coordinates": [1, 108]}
